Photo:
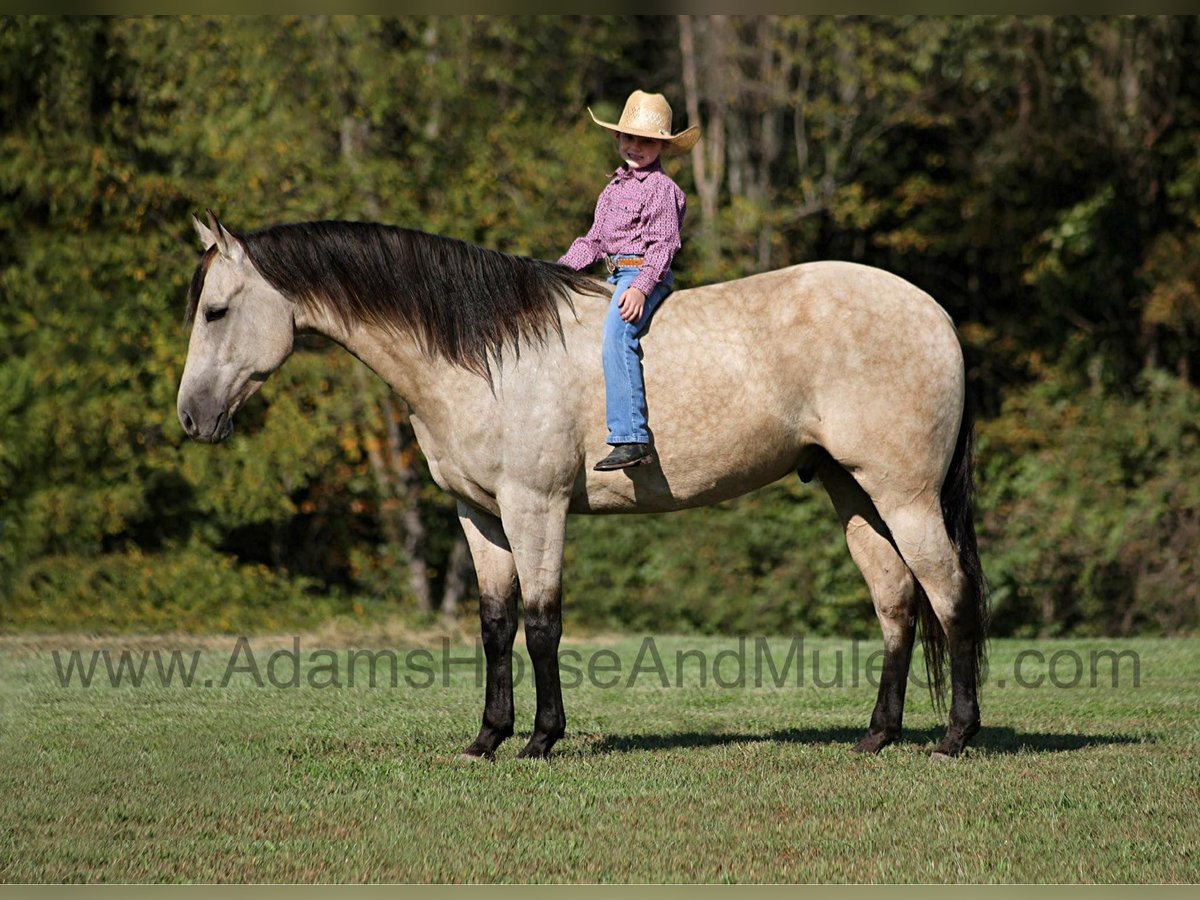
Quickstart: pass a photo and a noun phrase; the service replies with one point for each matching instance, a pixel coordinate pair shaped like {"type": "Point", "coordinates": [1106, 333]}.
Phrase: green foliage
{"type": "Point", "coordinates": [1092, 508]}
{"type": "Point", "coordinates": [185, 589]}
{"type": "Point", "coordinates": [1039, 176]}
{"type": "Point", "coordinates": [774, 562]}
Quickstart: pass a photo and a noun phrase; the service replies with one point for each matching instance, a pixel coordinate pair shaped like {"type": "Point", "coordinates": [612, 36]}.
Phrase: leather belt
{"type": "Point", "coordinates": [617, 262]}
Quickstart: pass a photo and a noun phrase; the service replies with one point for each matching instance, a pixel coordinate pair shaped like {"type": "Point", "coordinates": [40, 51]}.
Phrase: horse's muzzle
{"type": "Point", "coordinates": [221, 428]}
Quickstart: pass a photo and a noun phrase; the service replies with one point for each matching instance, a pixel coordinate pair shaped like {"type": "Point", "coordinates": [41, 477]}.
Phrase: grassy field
{"type": "Point", "coordinates": [320, 782]}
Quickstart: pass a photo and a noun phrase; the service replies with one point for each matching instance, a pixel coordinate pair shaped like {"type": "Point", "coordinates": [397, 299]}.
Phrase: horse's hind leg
{"type": "Point", "coordinates": [893, 591]}
{"type": "Point", "coordinates": [919, 531]}
{"type": "Point", "coordinates": [497, 574]}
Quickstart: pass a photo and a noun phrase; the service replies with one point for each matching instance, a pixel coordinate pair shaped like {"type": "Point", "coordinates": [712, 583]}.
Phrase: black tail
{"type": "Point", "coordinates": [958, 511]}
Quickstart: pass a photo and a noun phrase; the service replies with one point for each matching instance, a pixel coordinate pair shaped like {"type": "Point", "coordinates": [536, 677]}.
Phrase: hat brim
{"type": "Point", "coordinates": [673, 144]}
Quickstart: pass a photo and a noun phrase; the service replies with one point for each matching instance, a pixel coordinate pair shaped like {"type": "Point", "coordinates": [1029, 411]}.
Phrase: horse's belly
{"type": "Point", "coordinates": [698, 469]}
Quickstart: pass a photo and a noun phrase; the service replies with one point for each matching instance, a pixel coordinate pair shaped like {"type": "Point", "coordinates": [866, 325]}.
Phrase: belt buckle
{"type": "Point", "coordinates": [609, 264]}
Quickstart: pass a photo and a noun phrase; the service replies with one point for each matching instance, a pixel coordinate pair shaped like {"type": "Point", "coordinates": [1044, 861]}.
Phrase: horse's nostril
{"type": "Point", "coordinates": [188, 425]}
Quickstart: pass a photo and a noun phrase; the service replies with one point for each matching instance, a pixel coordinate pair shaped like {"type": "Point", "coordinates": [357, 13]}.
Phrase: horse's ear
{"type": "Point", "coordinates": [206, 235]}
{"type": "Point", "coordinates": [228, 244]}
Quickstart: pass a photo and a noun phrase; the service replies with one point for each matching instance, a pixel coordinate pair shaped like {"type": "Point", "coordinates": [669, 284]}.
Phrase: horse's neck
{"type": "Point", "coordinates": [396, 358]}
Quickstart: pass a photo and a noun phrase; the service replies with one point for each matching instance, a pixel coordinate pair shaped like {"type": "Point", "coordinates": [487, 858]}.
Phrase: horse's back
{"type": "Point", "coordinates": [745, 378]}
{"type": "Point", "coordinates": [828, 296]}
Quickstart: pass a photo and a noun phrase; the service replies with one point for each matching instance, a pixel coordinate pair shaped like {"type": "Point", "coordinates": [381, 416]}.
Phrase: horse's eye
{"type": "Point", "coordinates": [211, 315]}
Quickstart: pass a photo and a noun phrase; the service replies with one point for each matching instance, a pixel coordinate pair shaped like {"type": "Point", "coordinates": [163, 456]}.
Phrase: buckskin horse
{"type": "Point", "coordinates": [835, 371]}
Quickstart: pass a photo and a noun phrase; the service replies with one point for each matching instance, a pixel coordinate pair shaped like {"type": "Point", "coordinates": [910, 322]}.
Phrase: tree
{"type": "Point", "coordinates": [1039, 176]}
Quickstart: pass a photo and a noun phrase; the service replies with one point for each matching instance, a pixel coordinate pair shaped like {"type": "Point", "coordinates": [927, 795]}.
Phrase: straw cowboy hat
{"type": "Point", "coordinates": [649, 116]}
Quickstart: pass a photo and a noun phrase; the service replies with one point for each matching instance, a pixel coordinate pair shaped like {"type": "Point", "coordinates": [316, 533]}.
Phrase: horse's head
{"type": "Point", "coordinates": [242, 331]}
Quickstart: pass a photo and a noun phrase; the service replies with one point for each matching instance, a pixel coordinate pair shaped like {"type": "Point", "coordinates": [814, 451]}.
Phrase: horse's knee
{"type": "Point", "coordinates": [497, 620]}
{"type": "Point", "coordinates": [543, 629]}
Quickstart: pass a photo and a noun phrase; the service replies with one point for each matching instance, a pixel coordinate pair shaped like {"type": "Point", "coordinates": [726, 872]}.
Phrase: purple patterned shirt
{"type": "Point", "coordinates": [639, 213]}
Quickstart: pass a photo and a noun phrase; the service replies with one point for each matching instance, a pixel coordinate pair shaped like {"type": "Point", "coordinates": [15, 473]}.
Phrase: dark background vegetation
{"type": "Point", "coordinates": [1039, 176]}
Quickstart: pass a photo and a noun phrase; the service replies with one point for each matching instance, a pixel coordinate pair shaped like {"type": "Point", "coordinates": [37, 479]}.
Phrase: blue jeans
{"type": "Point", "coordinates": [625, 389]}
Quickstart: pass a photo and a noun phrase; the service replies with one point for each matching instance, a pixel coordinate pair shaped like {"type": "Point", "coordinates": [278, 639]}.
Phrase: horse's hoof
{"type": "Point", "coordinates": [955, 742]}
{"type": "Point", "coordinates": [939, 757]}
{"type": "Point", "coordinates": [871, 744]}
{"type": "Point", "coordinates": [476, 753]}
{"type": "Point", "coordinates": [466, 757]}
{"type": "Point", "coordinates": [537, 749]}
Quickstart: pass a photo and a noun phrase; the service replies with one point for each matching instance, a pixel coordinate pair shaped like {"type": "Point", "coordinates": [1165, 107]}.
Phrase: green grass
{"type": "Point", "coordinates": [651, 784]}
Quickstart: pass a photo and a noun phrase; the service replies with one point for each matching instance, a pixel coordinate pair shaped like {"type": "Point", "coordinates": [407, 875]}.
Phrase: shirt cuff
{"type": "Point", "coordinates": [645, 282]}
{"type": "Point", "coordinates": [578, 258]}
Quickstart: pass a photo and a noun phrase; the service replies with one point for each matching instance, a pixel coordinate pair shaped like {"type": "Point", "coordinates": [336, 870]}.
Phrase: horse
{"type": "Point", "coordinates": [836, 371]}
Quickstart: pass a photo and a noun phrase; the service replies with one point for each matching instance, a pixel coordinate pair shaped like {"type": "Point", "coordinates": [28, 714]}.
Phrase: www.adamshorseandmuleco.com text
{"type": "Point", "coordinates": [743, 663]}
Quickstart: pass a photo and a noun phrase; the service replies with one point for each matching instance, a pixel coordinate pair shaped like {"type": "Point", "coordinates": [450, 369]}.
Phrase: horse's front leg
{"type": "Point", "coordinates": [536, 526]}
{"type": "Point", "coordinates": [497, 576]}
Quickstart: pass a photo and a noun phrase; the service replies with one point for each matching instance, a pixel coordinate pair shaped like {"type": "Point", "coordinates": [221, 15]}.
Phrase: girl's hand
{"type": "Point", "coordinates": [631, 304]}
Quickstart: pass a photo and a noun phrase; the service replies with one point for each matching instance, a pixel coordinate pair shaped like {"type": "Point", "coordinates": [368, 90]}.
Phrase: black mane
{"type": "Point", "coordinates": [463, 302]}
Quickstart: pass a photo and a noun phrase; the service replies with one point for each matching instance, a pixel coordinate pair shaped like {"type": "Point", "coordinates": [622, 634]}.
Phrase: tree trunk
{"type": "Point", "coordinates": [708, 156]}
{"type": "Point", "coordinates": [458, 577]}
{"type": "Point", "coordinates": [402, 449]}
{"type": "Point", "coordinates": [398, 485]}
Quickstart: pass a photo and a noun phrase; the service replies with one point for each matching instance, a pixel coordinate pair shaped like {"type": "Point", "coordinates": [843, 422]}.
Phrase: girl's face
{"type": "Point", "coordinates": [639, 152]}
